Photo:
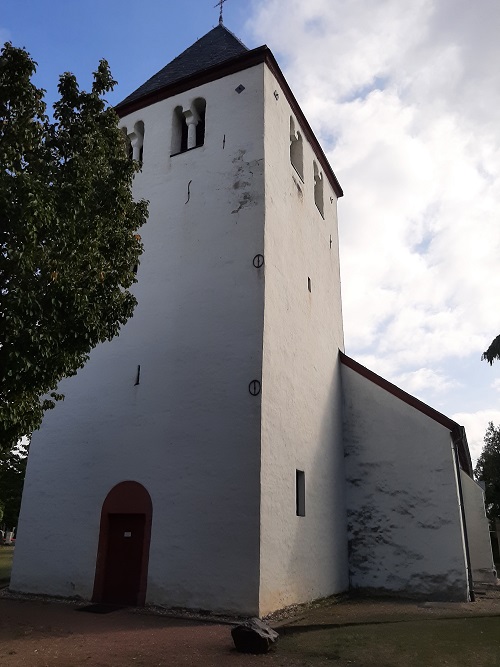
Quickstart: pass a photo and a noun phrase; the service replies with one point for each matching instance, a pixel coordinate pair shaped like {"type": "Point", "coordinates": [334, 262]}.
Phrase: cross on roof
{"type": "Point", "coordinates": [219, 4]}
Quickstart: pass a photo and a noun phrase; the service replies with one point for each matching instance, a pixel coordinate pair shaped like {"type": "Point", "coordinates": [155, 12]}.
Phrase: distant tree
{"type": "Point", "coordinates": [493, 352]}
{"type": "Point", "coordinates": [68, 236]}
{"type": "Point", "coordinates": [488, 470]}
{"type": "Point", "coordinates": [12, 472]}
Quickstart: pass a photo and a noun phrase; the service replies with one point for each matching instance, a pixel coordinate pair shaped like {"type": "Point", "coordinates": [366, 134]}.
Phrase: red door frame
{"type": "Point", "coordinates": [124, 498]}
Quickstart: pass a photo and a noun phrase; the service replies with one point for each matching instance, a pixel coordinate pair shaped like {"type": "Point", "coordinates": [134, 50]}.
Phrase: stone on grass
{"type": "Point", "coordinates": [253, 636]}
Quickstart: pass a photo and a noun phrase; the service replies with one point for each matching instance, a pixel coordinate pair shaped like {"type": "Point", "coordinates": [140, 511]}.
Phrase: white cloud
{"type": "Point", "coordinates": [405, 98]}
{"type": "Point", "coordinates": [496, 384]}
{"type": "Point", "coordinates": [475, 426]}
{"type": "Point", "coordinates": [425, 379]}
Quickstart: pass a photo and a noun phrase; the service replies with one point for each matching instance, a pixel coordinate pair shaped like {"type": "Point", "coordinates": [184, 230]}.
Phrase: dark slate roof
{"type": "Point", "coordinates": [214, 48]}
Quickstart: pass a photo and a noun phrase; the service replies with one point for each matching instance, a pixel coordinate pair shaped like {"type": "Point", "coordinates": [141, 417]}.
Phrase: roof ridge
{"type": "Point", "coordinates": [221, 25]}
{"type": "Point", "coordinates": [215, 47]}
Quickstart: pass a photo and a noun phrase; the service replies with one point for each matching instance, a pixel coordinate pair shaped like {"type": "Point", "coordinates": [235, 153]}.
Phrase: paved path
{"type": "Point", "coordinates": [46, 634]}
{"type": "Point", "coordinates": [35, 633]}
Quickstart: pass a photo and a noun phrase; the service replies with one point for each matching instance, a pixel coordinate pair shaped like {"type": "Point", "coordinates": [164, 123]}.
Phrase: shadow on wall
{"type": "Point", "coordinates": [317, 564]}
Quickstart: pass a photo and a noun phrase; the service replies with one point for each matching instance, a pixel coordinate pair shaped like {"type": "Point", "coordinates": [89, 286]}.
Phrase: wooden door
{"type": "Point", "coordinates": [124, 554]}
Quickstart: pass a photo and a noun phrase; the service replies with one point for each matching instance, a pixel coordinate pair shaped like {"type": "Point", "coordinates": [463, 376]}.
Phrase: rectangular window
{"type": "Point", "coordinates": [300, 493]}
{"type": "Point", "coordinates": [309, 284]}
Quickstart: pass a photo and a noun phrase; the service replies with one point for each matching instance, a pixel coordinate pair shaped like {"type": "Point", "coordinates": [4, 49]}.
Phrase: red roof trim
{"type": "Point", "coordinates": [262, 54]}
{"type": "Point", "coordinates": [457, 431]}
{"type": "Point", "coordinates": [236, 64]}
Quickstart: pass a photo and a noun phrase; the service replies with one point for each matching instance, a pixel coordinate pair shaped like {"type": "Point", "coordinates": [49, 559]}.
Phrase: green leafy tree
{"type": "Point", "coordinates": [68, 236]}
{"type": "Point", "coordinates": [493, 352]}
{"type": "Point", "coordinates": [12, 472]}
{"type": "Point", "coordinates": [488, 470]}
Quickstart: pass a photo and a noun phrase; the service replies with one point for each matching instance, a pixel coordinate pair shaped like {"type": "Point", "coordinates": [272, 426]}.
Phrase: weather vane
{"type": "Point", "coordinates": [219, 4]}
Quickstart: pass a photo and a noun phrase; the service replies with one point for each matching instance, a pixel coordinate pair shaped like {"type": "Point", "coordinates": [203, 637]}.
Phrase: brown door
{"type": "Point", "coordinates": [123, 564]}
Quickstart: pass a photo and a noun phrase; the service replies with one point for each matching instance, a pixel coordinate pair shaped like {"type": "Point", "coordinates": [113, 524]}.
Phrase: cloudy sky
{"type": "Point", "coordinates": [405, 97]}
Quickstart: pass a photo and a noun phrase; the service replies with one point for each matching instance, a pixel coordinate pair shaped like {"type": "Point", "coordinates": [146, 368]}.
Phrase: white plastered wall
{"type": "Point", "coordinates": [302, 558]}
{"type": "Point", "coordinates": [478, 531]}
{"type": "Point", "coordinates": [190, 431]}
{"type": "Point", "coordinates": [405, 530]}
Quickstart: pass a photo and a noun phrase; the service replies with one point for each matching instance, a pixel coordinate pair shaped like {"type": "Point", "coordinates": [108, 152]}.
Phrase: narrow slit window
{"type": "Point", "coordinates": [309, 284]}
{"type": "Point", "coordinates": [300, 493]}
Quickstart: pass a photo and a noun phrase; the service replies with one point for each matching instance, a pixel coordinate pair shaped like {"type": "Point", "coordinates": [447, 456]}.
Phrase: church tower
{"type": "Point", "coordinates": [197, 459]}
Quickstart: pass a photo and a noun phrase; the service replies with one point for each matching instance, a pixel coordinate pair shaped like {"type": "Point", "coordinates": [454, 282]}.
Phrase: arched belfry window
{"type": "Point", "coordinates": [134, 141]}
{"type": "Point", "coordinates": [188, 127]}
{"type": "Point", "coordinates": [179, 132]}
{"type": "Point", "coordinates": [138, 141]}
{"type": "Point", "coordinates": [128, 144]}
{"type": "Point", "coordinates": [296, 150]}
{"type": "Point", "coordinates": [199, 105]}
{"type": "Point", "coordinates": [318, 189]}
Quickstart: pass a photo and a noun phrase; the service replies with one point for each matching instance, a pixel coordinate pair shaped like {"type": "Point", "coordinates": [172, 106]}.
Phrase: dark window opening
{"type": "Point", "coordinates": [300, 493]}
{"type": "Point", "coordinates": [200, 132]}
{"type": "Point", "coordinates": [179, 132]}
{"type": "Point", "coordinates": [128, 144]}
{"type": "Point", "coordinates": [139, 133]}
{"type": "Point", "coordinates": [184, 137]}
{"type": "Point", "coordinates": [199, 107]}
{"type": "Point", "coordinates": [296, 150]}
{"type": "Point", "coordinates": [318, 189]}
{"type": "Point", "coordinates": [188, 127]}
{"type": "Point", "coordinates": [134, 142]}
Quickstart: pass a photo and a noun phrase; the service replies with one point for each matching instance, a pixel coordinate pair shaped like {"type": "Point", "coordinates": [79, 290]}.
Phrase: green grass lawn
{"type": "Point", "coordinates": [6, 555]}
{"type": "Point", "coordinates": [458, 642]}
